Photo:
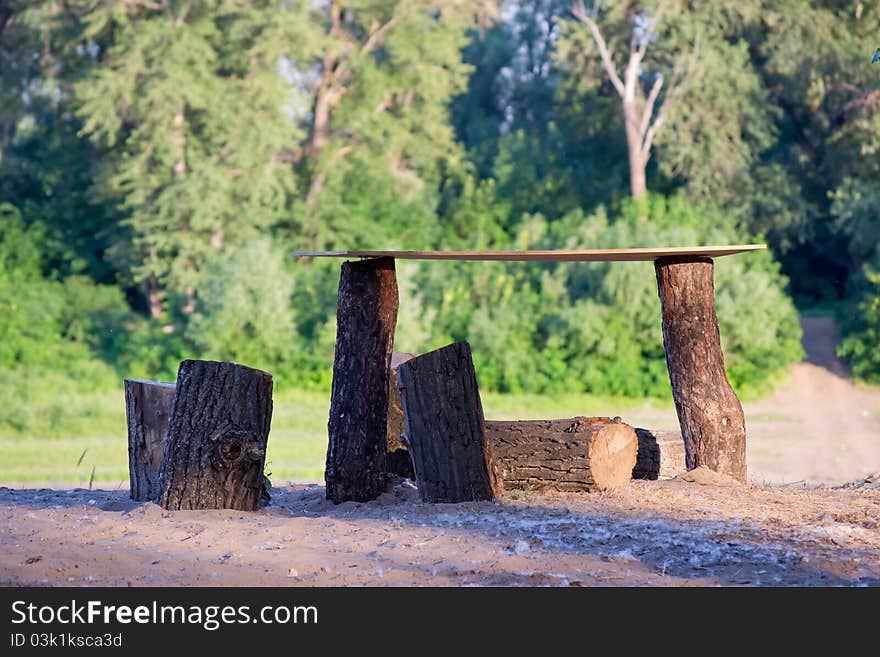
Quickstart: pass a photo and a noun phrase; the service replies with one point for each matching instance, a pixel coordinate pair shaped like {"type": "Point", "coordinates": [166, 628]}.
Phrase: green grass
{"type": "Point", "coordinates": [57, 428]}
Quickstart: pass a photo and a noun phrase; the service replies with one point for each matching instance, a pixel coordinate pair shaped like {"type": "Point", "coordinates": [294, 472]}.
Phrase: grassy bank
{"type": "Point", "coordinates": [71, 432]}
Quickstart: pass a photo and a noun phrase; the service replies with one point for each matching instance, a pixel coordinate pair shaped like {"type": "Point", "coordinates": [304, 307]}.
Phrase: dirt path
{"type": "Point", "coordinates": [821, 337]}
{"type": "Point", "coordinates": [818, 427]}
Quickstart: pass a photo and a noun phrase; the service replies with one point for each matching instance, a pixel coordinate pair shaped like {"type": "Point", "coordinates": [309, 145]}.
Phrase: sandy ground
{"type": "Point", "coordinates": [664, 533]}
{"type": "Point", "coordinates": [699, 529]}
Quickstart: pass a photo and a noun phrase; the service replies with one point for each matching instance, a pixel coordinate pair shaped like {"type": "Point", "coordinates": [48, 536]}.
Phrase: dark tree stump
{"type": "Point", "coordinates": [217, 437]}
{"type": "Point", "coordinates": [661, 455]}
{"type": "Point", "coordinates": [147, 409]}
{"type": "Point", "coordinates": [710, 414]}
{"type": "Point", "coordinates": [358, 427]}
{"type": "Point", "coordinates": [398, 461]}
{"type": "Point", "coordinates": [580, 454]}
{"type": "Point", "coordinates": [444, 426]}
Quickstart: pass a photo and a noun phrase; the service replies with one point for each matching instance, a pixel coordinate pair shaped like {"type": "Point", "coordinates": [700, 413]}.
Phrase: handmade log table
{"type": "Point", "coordinates": [709, 412]}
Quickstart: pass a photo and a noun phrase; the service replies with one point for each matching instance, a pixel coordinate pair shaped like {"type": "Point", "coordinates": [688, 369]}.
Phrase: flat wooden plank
{"type": "Point", "coordinates": [581, 255]}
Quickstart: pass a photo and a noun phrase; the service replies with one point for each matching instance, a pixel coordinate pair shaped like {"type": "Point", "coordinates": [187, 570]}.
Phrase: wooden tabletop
{"type": "Point", "coordinates": [579, 255]}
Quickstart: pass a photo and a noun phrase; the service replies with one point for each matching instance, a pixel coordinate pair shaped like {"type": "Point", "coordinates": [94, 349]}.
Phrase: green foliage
{"type": "Point", "coordinates": [856, 209]}
{"type": "Point", "coordinates": [593, 327]}
{"type": "Point", "coordinates": [186, 102]}
{"type": "Point", "coordinates": [45, 322]}
{"type": "Point", "coordinates": [161, 158]}
{"type": "Point", "coordinates": [20, 253]}
{"type": "Point", "coordinates": [147, 349]}
{"type": "Point", "coordinates": [861, 346]}
{"type": "Point", "coordinates": [243, 308]}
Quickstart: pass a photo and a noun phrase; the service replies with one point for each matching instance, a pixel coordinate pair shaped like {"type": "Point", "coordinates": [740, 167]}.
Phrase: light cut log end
{"type": "Point", "coordinates": [579, 454]}
{"type": "Point", "coordinates": [613, 452]}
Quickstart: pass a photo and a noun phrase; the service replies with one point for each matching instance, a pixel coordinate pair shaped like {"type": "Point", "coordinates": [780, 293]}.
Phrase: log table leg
{"type": "Point", "coordinates": [358, 426]}
{"type": "Point", "coordinates": [709, 412]}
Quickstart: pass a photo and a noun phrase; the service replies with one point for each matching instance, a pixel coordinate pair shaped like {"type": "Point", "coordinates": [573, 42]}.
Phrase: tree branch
{"type": "Point", "coordinates": [155, 6]}
{"type": "Point", "coordinates": [675, 88]}
{"type": "Point", "coordinates": [377, 35]}
{"type": "Point", "coordinates": [320, 176]}
{"type": "Point", "coordinates": [652, 28]}
{"type": "Point", "coordinates": [652, 132]}
{"type": "Point", "coordinates": [580, 13]}
{"type": "Point", "coordinates": [648, 111]}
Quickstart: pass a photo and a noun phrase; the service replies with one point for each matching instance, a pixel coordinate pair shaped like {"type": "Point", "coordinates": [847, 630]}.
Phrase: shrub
{"type": "Point", "coordinates": [861, 346]}
{"type": "Point", "coordinates": [243, 309]}
{"type": "Point", "coordinates": [595, 327]}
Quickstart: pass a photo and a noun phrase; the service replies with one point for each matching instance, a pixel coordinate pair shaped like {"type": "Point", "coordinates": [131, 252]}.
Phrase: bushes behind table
{"type": "Point", "coordinates": [595, 327]}
{"type": "Point", "coordinates": [579, 327]}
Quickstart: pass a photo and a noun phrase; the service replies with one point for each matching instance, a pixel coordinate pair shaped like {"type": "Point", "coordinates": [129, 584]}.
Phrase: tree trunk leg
{"type": "Point", "coordinates": [147, 410]}
{"type": "Point", "coordinates": [217, 436]}
{"type": "Point", "coordinates": [358, 427]}
{"type": "Point", "coordinates": [445, 427]}
{"type": "Point", "coordinates": [709, 412]}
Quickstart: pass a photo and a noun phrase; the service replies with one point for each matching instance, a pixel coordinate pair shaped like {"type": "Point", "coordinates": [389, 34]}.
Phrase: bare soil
{"type": "Point", "coordinates": [700, 531]}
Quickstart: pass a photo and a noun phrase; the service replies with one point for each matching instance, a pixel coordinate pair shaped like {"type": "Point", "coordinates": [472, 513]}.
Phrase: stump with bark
{"type": "Point", "coordinates": [147, 410]}
{"type": "Point", "coordinates": [661, 455]}
{"type": "Point", "coordinates": [358, 427]}
{"type": "Point", "coordinates": [217, 436]}
{"type": "Point", "coordinates": [579, 454]}
{"type": "Point", "coordinates": [445, 426]}
{"type": "Point", "coordinates": [710, 414]}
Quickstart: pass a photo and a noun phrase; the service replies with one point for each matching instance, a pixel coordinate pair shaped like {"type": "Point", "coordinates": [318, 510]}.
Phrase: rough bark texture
{"type": "Point", "coordinates": [444, 426]}
{"type": "Point", "coordinates": [661, 455]}
{"type": "Point", "coordinates": [710, 414]}
{"type": "Point", "coordinates": [579, 454]}
{"type": "Point", "coordinates": [358, 427]}
{"type": "Point", "coordinates": [217, 437]}
{"type": "Point", "coordinates": [398, 461]}
{"type": "Point", "coordinates": [147, 410]}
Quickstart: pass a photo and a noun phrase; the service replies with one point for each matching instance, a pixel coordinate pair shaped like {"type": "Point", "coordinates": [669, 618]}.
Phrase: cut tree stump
{"type": "Point", "coordinates": [398, 461]}
{"type": "Point", "coordinates": [579, 454]}
{"type": "Point", "coordinates": [358, 427]}
{"type": "Point", "coordinates": [217, 437]}
{"type": "Point", "coordinates": [661, 455]}
{"type": "Point", "coordinates": [444, 426]}
{"type": "Point", "coordinates": [147, 409]}
{"type": "Point", "coordinates": [710, 414]}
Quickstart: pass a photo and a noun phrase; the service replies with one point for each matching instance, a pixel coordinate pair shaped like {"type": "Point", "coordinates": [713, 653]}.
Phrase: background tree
{"type": "Point", "coordinates": [159, 158]}
{"type": "Point", "coordinates": [647, 87]}
{"type": "Point", "coordinates": [185, 100]}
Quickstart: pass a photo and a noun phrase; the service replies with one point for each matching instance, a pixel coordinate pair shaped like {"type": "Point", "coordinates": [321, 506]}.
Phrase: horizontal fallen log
{"type": "Point", "coordinates": [578, 454]}
{"type": "Point", "coordinates": [661, 455]}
